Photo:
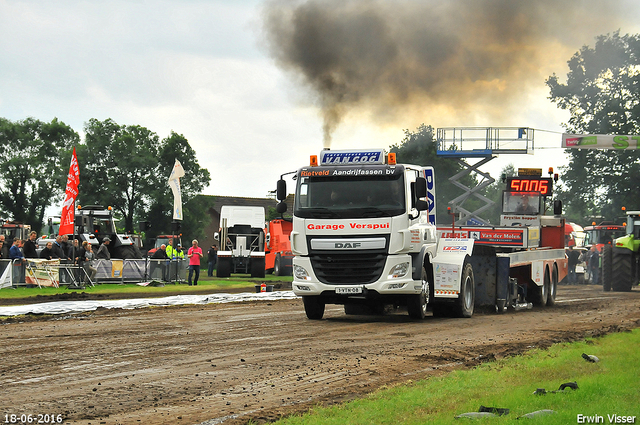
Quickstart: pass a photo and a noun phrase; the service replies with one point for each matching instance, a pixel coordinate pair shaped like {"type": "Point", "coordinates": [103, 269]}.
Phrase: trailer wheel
{"type": "Point", "coordinates": [313, 307]}
{"type": "Point", "coordinates": [622, 270]}
{"type": "Point", "coordinates": [466, 300]}
{"type": "Point", "coordinates": [417, 304]}
{"type": "Point", "coordinates": [224, 267]}
{"type": "Point", "coordinates": [607, 271]}
{"type": "Point", "coordinates": [257, 267]}
{"type": "Point", "coordinates": [553, 287]}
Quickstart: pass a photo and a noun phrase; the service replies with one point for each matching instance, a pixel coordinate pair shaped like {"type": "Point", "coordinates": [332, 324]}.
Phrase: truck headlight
{"type": "Point", "coordinates": [300, 273]}
{"type": "Point", "coordinates": [399, 270]}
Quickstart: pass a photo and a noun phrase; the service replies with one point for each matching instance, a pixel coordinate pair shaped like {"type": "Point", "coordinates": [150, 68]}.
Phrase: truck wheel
{"type": "Point", "coordinates": [277, 266]}
{"type": "Point", "coordinates": [553, 287]}
{"type": "Point", "coordinates": [313, 306]}
{"type": "Point", "coordinates": [224, 267]}
{"type": "Point", "coordinates": [417, 304]}
{"type": "Point", "coordinates": [541, 293]}
{"type": "Point", "coordinates": [126, 252]}
{"type": "Point", "coordinates": [467, 297]}
{"type": "Point", "coordinates": [257, 267]}
{"type": "Point", "coordinates": [622, 270]}
{"type": "Point", "coordinates": [606, 267]}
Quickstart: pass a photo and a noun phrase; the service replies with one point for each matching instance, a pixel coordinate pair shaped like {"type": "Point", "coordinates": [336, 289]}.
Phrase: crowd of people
{"type": "Point", "coordinates": [591, 260]}
{"type": "Point", "coordinates": [69, 253]}
{"type": "Point", "coordinates": [77, 257]}
{"type": "Point", "coordinates": [161, 259]}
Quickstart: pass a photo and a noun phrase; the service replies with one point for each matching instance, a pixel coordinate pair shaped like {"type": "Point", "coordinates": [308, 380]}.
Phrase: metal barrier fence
{"type": "Point", "coordinates": [55, 273]}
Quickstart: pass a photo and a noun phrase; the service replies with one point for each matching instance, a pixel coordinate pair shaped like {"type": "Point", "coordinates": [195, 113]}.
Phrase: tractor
{"type": "Point", "coordinates": [621, 260]}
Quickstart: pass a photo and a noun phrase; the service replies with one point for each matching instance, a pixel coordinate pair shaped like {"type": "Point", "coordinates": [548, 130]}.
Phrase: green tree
{"type": "Point", "coordinates": [34, 166]}
{"type": "Point", "coordinates": [420, 148]}
{"type": "Point", "coordinates": [602, 93]}
{"type": "Point", "coordinates": [128, 167]}
{"type": "Point", "coordinates": [195, 208]}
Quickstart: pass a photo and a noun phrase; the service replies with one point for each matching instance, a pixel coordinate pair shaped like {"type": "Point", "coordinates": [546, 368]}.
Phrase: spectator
{"type": "Point", "coordinates": [573, 258]}
{"type": "Point", "coordinates": [194, 254]}
{"type": "Point", "coordinates": [103, 251]}
{"type": "Point", "coordinates": [4, 251]}
{"type": "Point", "coordinates": [30, 248]}
{"type": "Point", "coordinates": [47, 252]}
{"type": "Point", "coordinates": [594, 264]}
{"type": "Point", "coordinates": [17, 259]}
{"type": "Point", "coordinates": [58, 251]}
{"type": "Point", "coordinates": [89, 256]}
{"type": "Point", "coordinates": [212, 257]}
{"type": "Point", "coordinates": [159, 258]}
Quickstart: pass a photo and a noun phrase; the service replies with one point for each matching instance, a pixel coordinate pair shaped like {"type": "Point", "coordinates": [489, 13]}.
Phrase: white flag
{"type": "Point", "coordinates": [174, 182]}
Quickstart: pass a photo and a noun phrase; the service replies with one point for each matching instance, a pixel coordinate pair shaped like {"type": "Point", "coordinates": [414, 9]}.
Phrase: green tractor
{"type": "Point", "coordinates": [621, 261]}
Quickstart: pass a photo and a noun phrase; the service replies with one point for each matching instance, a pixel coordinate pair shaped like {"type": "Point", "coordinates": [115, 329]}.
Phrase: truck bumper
{"type": "Point", "coordinates": [306, 283]}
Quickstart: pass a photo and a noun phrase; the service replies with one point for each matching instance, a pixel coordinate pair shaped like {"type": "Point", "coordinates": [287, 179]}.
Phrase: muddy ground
{"type": "Point", "coordinates": [231, 363]}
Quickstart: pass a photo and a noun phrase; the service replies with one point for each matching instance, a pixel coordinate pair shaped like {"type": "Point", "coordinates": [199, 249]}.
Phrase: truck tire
{"type": "Point", "coordinates": [277, 266]}
{"type": "Point", "coordinates": [553, 286]}
{"type": "Point", "coordinates": [417, 304]}
{"type": "Point", "coordinates": [257, 267]}
{"type": "Point", "coordinates": [126, 252]}
{"type": "Point", "coordinates": [463, 306]}
{"type": "Point", "coordinates": [224, 267]}
{"type": "Point", "coordinates": [313, 307]}
{"type": "Point", "coordinates": [541, 293]}
{"type": "Point", "coordinates": [607, 271]}
{"type": "Point", "coordinates": [622, 264]}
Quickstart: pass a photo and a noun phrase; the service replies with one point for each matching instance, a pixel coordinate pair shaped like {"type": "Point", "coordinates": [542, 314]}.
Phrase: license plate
{"type": "Point", "coordinates": [349, 290]}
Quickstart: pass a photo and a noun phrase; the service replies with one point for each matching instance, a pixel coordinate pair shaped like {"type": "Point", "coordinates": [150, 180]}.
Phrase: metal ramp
{"type": "Point", "coordinates": [483, 143]}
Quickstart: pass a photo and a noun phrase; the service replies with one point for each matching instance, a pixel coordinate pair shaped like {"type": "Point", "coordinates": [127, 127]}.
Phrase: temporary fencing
{"type": "Point", "coordinates": [54, 273]}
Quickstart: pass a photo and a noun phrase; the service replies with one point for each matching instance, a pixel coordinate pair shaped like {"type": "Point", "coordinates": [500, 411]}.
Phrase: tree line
{"type": "Point", "coordinates": [123, 166]}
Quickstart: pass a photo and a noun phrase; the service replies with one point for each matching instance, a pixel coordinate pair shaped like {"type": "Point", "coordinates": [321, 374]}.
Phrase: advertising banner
{"type": "Point", "coordinates": [600, 141]}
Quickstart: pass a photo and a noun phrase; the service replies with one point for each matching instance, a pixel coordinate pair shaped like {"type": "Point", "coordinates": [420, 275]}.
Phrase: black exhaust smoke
{"type": "Point", "coordinates": [464, 59]}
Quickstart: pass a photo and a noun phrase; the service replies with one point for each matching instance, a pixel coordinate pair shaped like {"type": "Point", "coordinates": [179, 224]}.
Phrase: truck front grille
{"type": "Point", "coordinates": [348, 269]}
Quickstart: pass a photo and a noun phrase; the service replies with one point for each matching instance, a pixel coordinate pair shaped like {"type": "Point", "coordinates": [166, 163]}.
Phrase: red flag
{"type": "Point", "coordinates": [71, 193]}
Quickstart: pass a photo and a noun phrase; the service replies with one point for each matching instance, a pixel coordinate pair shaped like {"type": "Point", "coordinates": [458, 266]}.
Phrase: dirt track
{"type": "Point", "coordinates": [228, 363]}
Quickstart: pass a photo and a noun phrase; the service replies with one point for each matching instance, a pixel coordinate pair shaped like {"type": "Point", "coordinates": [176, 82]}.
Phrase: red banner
{"type": "Point", "coordinates": [71, 193]}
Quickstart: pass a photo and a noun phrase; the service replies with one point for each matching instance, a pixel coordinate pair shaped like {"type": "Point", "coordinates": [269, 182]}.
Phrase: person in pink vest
{"type": "Point", "coordinates": [194, 254]}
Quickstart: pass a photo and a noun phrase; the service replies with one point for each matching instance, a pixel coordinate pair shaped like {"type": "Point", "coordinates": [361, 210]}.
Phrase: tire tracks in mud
{"type": "Point", "coordinates": [259, 361]}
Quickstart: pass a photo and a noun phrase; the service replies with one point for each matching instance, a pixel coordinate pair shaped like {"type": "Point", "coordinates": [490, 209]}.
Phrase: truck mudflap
{"type": "Point", "coordinates": [448, 265]}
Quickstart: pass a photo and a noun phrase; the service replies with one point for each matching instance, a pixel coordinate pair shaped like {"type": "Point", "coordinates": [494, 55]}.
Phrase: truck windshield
{"type": "Point", "coordinates": [347, 193]}
{"type": "Point", "coordinates": [521, 203]}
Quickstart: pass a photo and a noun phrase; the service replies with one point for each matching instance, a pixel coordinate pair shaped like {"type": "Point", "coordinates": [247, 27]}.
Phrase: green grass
{"type": "Point", "coordinates": [235, 282]}
{"type": "Point", "coordinates": [611, 386]}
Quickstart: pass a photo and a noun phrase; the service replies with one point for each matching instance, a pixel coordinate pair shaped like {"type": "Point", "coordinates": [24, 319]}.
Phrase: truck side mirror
{"type": "Point", "coordinates": [216, 236]}
{"type": "Point", "coordinates": [281, 190]}
{"type": "Point", "coordinates": [422, 205]}
{"type": "Point", "coordinates": [421, 187]}
{"type": "Point", "coordinates": [281, 208]}
{"type": "Point", "coordinates": [557, 207]}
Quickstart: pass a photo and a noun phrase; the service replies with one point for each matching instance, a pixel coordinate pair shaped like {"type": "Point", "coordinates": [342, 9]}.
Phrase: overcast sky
{"type": "Point", "coordinates": [211, 71]}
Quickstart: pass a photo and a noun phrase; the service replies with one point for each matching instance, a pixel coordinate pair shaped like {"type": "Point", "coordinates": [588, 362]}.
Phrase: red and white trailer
{"type": "Point", "coordinates": [520, 262]}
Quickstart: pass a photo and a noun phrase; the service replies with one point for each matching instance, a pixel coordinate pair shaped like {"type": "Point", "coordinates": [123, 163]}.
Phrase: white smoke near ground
{"type": "Point", "coordinates": [392, 59]}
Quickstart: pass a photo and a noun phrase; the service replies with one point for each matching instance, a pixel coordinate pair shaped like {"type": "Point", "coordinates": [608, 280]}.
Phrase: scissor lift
{"type": "Point", "coordinates": [484, 144]}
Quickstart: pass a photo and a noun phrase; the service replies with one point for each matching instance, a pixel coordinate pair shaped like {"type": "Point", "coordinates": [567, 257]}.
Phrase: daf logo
{"type": "Point", "coordinates": [347, 245]}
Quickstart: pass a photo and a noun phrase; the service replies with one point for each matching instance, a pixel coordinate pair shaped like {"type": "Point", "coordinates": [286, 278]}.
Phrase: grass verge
{"type": "Point", "coordinates": [236, 282]}
{"type": "Point", "coordinates": [606, 388]}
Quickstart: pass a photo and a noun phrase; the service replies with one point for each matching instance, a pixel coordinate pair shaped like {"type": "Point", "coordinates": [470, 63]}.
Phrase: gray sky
{"type": "Point", "coordinates": [206, 69]}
